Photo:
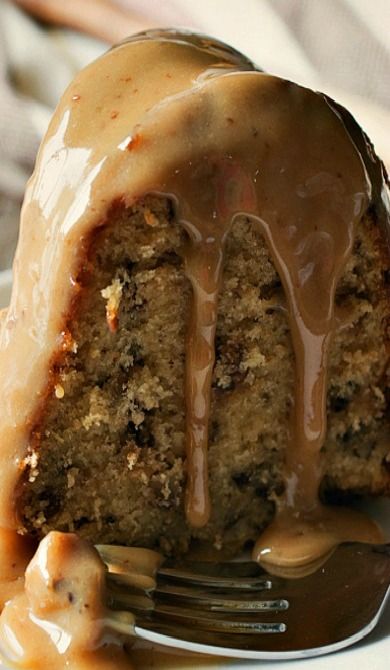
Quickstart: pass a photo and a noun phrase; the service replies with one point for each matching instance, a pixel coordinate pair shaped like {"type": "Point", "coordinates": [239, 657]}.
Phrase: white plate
{"type": "Point", "coordinates": [5, 287]}
{"type": "Point", "coordinates": [373, 653]}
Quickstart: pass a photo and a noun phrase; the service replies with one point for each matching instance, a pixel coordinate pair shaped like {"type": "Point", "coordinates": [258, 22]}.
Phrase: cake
{"type": "Point", "coordinates": [199, 327]}
{"type": "Point", "coordinates": [196, 353]}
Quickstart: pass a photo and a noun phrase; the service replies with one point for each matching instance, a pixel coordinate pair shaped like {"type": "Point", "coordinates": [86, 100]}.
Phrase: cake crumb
{"type": "Point", "coordinates": [147, 251]}
{"type": "Point", "coordinates": [59, 391]}
{"type": "Point", "coordinates": [253, 359]}
{"type": "Point", "coordinates": [98, 411]}
{"type": "Point", "coordinates": [165, 489]}
{"type": "Point", "coordinates": [113, 295]}
{"type": "Point", "coordinates": [31, 461]}
{"type": "Point", "coordinates": [132, 459]}
{"type": "Point", "coordinates": [41, 519]}
{"type": "Point", "coordinates": [150, 218]}
{"type": "Point", "coordinates": [218, 544]}
{"type": "Point", "coordinates": [71, 477]}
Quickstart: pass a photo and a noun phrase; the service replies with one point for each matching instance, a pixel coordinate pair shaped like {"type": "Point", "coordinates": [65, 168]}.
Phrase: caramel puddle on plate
{"type": "Point", "coordinates": [296, 544]}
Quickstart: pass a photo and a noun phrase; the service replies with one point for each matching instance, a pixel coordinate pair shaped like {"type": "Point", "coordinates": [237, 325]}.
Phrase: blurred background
{"type": "Point", "coordinates": [341, 47]}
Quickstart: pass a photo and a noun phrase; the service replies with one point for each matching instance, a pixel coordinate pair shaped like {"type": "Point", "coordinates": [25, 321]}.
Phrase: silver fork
{"type": "Point", "coordinates": [236, 609]}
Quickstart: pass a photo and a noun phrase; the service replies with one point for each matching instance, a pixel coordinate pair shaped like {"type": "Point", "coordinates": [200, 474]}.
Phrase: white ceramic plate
{"type": "Point", "coordinates": [373, 653]}
{"type": "Point", "coordinates": [5, 287]}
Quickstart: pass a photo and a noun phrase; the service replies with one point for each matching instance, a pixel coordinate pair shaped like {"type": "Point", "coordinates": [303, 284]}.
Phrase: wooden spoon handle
{"type": "Point", "coordinates": [101, 18]}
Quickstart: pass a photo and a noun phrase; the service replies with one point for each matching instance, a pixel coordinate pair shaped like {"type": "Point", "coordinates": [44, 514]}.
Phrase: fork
{"type": "Point", "coordinates": [237, 609]}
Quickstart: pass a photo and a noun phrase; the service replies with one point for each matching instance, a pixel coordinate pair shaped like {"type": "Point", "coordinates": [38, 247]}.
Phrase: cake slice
{"type": "Point", "coordinates": [199, 326]}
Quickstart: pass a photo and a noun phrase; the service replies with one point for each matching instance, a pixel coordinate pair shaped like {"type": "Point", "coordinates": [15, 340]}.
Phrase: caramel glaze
{"type": "Point", "coordinates": [222, 140]}
{"type": "Point", "coordinates": [15, 554]}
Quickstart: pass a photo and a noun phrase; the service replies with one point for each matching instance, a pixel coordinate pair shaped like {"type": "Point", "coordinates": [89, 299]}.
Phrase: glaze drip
{"type": "Point", "coordinates": [204, 264]}
{"type": "Point", "coordinates": [310, 256]}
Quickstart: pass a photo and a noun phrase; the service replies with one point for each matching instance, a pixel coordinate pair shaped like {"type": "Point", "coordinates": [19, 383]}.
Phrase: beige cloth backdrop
{"type": "Point", "coordinates": [339, 46]}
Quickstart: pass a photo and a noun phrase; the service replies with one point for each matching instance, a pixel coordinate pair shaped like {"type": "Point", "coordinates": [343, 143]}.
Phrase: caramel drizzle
{"type": "Point", "coordinates": [204, 265]}
{"type": "Point", "coordinates": [309, 254]}
{"type": "Point", "coordinates": [309, 259]}
{"type": "Point", "coordinates": [309, 268]}
{"type": "Point", "coordinates": [309, 264]}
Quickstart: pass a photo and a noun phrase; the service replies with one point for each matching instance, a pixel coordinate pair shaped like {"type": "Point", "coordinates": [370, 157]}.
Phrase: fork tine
{"type": "Point", "coordinates": [215, 622]}
{"type": "Point", "coordinates": [199, 608]}
{"type": "Point", "coordinates": [215, 619]}
{"type": "Point", "coordinates": [133, 582]}
{"type": "Point", "coordinates": [191, 581]}
{"type": "Point", "coordinates": [218, 568]}
{"type": "Point", "coordinates": [207, 599]}
{"type": "Point", "coordinates": [123, 594]}
{"type": "Point", "coordinates": [130, 598]}
{"type": "Point", "coordinates": [219, 581]}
